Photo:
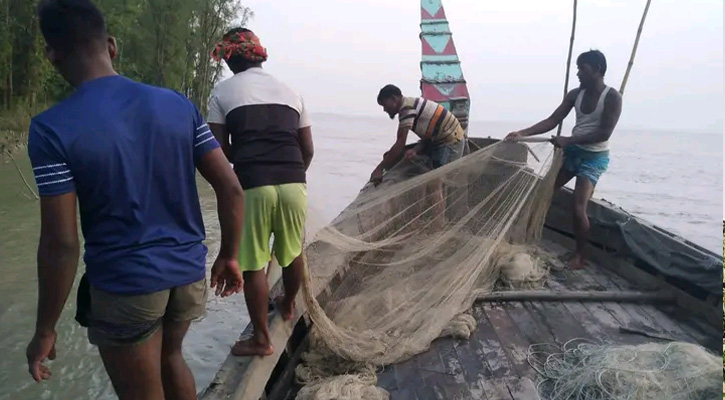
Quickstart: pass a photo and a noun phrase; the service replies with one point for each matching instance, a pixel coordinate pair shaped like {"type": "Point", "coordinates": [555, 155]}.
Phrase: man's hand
{"type": "Point", "coordinates": [226, 277]}
{"type": "Point", "coordinates": [376, 177]}
{"type": "Point", "coordinates": [513, 137]}
{"type": "Point", "coordinates": [41, 347]}
{"type": "Point", "coordinates": [410, 154]}
{"type": "Point", "coordinates": [560, 141]}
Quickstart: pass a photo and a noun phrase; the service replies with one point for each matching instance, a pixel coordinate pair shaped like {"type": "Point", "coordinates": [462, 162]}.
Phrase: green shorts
{"type": "Point", "coordinates": [280, 210]}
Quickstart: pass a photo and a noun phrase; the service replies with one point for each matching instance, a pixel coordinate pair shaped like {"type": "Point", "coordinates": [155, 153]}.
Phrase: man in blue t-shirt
{"type": "Point", "coordinates": [128, 153]}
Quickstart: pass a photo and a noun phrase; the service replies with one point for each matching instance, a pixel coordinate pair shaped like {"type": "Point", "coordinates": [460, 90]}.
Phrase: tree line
{"type": "Point", "coordinates": [160, 42]}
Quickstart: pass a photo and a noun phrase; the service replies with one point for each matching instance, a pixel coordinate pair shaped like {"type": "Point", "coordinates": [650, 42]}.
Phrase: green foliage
{"type": "Point", "coordinates": [160, 42]}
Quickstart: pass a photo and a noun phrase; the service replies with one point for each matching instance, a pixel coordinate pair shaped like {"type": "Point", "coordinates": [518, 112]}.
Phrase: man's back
{"type": "Point", "coordinates": [263, 116]}
{"type": "Point", "coordinates": [430, 120]}
{"type": "Point", "coordinates": [129, 151]}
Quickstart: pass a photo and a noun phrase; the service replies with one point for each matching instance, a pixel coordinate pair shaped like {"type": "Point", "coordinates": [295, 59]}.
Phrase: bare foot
{"type": "Point", "coordinates": [251, 347]}
{"type": "Point", "coordinates": [577, 262]}
{"type": "Point", "coordinates": [287, 311]}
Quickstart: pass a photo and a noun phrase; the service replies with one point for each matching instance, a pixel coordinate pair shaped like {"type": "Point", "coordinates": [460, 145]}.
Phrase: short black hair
{"type": "Point", "coordinates": [69, 25]}
{"type": "Point", "coordinates": [595, 59]}
{"type": "Point", "coordinates": [387, 92]}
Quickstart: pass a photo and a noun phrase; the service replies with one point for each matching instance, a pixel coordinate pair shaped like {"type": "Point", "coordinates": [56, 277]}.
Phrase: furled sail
{"type": "Point", "coordinates": [442, 77]}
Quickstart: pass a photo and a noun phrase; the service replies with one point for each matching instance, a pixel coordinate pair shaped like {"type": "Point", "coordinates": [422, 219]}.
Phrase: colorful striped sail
{"type": "Point", "coordinates": [442, 77]}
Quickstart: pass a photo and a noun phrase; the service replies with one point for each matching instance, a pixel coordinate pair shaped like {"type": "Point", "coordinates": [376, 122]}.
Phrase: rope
{"type": "Point", "coordinates": [585, 370]}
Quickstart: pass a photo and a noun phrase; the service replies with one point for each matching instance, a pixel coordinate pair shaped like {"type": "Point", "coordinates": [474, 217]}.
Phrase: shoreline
{"type": "Point", "coordinates": [10, 144]}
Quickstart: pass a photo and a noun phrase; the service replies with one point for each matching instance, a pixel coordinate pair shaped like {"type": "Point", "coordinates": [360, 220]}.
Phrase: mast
{"type": "Point", "coordinates": [442, 77]}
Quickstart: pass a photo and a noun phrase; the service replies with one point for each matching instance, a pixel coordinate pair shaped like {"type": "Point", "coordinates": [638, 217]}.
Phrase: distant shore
{"type": "Point", "coordinates": [11, 142]}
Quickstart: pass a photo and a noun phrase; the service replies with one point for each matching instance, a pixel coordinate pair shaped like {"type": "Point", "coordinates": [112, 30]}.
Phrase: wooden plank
{"type": "Point", "coordinates": [678, 323]}
{"type": "Point", "coordinates": [475, 369]}
{"type": "Point", "coordinates": [646, 315]}
{"type": "Point", "coordinates": [513, 341]}
{"type": "Point", "coordinates": [408, 377]}
{"type": "Point", "coordinates": [681, 327]}
{"type": "Point", "coordinates": [519, 380]}
{"type": "Point", "coordinates": [597, 322]}
{"type": "Point", "coordinates": [441, 372]}
{"type": "Point", "coordinates": [559, 321]}
{"type": "Point", "coordinates": [432, 372]}
{"type": "Point", "coordinates": [494, 356]}
{"type": "Point", "coordinates": [600, 320]}
{"type": "Point", "coordinates": [403, 394]}
{"type": "Point", "coordinates": [386, 379]}
{"type": "Point", "coordinates": [556, 317]}
{"type": "Point", "coordinates": [709, 313]}
{"type": "Point", "coordinates": [534, 331]}
{"type": "Point", "coordinates": [522, 388]}
{"type": "Point", "coordinates": [582, 278]}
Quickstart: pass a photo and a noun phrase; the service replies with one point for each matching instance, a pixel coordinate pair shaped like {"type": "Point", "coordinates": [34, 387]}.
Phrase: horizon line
{"type": "Point", "coordinates": [625, 127]}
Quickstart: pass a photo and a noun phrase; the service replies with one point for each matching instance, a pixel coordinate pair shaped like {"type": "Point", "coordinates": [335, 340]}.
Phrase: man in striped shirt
{"type": "Point", "coordinates": [442, 139]}
{"type": "Point", "coordinates": [439, 130]}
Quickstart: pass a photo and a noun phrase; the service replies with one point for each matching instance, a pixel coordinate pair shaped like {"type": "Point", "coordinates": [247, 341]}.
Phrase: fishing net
{"type": "Point", "coordinates": [403, 264]}
{"type": "Point", "coordinates": [589, 371]}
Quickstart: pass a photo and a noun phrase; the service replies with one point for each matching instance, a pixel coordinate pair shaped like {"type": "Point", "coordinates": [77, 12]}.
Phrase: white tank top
{"type": "Point", "coordinates": [588, 123]}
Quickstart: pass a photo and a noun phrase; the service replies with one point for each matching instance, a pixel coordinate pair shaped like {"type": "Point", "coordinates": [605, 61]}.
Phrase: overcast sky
{"type": "Point", "coordinates": [339, 53]}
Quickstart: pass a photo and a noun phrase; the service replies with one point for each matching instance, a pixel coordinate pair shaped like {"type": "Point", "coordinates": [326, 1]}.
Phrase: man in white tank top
{"type": "Point", "coordinates": [586, 151]}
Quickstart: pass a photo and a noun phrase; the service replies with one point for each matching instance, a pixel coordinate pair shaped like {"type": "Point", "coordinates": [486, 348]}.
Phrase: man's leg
{"type": "Point", "coordinates": [292, 279]}
{"type": "Point", "coordinates": [135, 370]}
{"type": "Point", "coordinates": [256, 294]}
{"type": "Point", "coordinates": [176, 376]}
{"type": "Point", "coordinates": [186, 303]}
{"type": "Point", "coordinates": [288, 225]}
{"type": "Point", "coordinates": [583, 191]}
{"type": "Point", "coordinates": [254, 255]}
{"type": "Point", "coordinates": [128, 333]}
{"type": "Point", "coordinates": [442, 155]}
{"type": "Point", "coordinates": [563, 178]}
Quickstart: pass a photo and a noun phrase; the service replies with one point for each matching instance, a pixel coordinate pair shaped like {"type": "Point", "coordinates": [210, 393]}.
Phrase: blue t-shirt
{"type": "Point", "coordinates": [129, 152]}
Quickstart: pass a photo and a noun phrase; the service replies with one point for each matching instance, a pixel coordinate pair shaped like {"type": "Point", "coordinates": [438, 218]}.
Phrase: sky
{"type": "Point", "coordinates": [339, 53]}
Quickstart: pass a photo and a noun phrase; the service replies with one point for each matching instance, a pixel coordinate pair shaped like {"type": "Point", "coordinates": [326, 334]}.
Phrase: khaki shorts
{"type": "Point", "coordinates": [123, 320]}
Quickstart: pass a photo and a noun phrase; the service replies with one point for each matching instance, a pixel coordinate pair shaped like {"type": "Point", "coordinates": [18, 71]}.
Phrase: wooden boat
{"type": "Point", "coordinates": [643, 284]}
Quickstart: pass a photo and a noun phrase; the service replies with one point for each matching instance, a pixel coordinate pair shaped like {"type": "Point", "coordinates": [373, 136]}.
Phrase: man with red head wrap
{"type": "Point", "coordinates": [271, 149]}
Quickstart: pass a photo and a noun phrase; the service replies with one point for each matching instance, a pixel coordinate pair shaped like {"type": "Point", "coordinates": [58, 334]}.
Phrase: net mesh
{"type": "Point", "coordinates": [403, 264]}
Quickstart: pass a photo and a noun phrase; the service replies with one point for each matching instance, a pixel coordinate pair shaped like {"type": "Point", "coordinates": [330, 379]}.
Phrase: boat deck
{"type": "Point", "coordinates": [493, 365]}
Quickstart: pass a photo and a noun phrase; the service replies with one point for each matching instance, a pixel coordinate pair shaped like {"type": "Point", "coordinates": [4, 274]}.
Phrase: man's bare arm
{"type": "Point", "coordinates": [222, 136]}
{"type": "Point", "coordinates": [554, 119]}
{"type": "Point", "coordinates": [308, 148]}
{"type": "Point", "coordinates": [395, 152]}
{"type": "Point", "coordinates": [610, 117]}
{"type": "Point", "coordinates": [58, 252]}
{"type": "Point", "coordinates": [214, 167]}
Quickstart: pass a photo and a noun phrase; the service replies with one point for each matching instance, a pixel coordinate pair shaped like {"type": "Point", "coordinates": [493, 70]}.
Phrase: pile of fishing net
{"type": "Point", "coordinates": [651, 371]}
{"type": "Point", "coordinates": [403, 264]}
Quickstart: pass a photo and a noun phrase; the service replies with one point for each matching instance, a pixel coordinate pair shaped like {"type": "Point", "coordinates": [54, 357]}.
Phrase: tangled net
{"type": "Point", "coordinates": [403, 264]}
{"type": "Point", "coordinates": [651, 371]}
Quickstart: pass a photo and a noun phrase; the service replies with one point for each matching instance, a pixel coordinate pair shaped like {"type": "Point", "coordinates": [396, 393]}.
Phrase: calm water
{"type": "Point", "coordinates": [671, 179]}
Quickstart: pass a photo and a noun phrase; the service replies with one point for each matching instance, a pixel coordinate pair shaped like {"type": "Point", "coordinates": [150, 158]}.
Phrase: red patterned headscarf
{"type": "Point", "coordinates": [244, 44]}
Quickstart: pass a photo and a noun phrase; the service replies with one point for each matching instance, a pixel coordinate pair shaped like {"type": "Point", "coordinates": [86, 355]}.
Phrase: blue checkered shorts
{"type": "Point", "coordinates": [586, 164]}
